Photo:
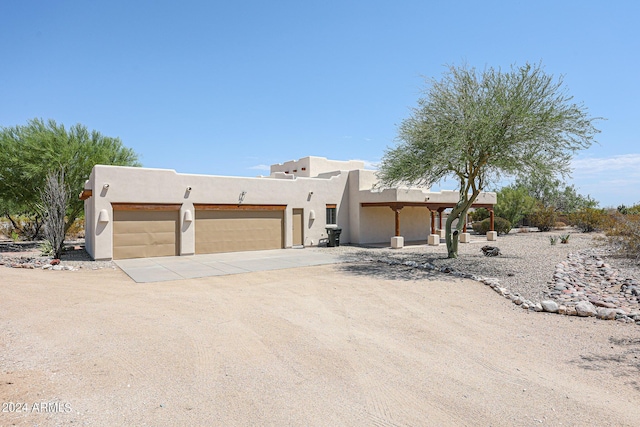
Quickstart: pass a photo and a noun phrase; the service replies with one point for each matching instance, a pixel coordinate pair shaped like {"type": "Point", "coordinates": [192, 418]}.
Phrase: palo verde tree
{"type": "Point", "coordinates": [29, 154]}
{"type": "Point", "coordinates": [480, 126]}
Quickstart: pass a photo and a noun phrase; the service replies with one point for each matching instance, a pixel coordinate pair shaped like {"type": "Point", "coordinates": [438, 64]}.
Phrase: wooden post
{"type": "Point", "coordinates": [440, 218]}
{"type": "Point", "coordinates": [397, 211]}
{"type": "Point", "coordinates": [433, 222]}
{"type": "Point", "coordinates": [464, 226]}
{"type": "Point", "coordinates": [491, 220]}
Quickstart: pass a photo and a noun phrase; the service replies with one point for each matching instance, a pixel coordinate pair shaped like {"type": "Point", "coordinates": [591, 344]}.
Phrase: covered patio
{"type": "Point", "coordinates": [436, 213]}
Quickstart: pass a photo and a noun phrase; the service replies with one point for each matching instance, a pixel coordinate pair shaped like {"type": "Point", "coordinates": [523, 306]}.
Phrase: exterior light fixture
{"type": "Point", "coordinates": [103, 217]}
{"type": "Point", "coordinates": [188, 216]}
{"type": "Point", "coordinates": [312, 215]}
{"type": "Point", "coordinates": [189, 188]}
{"type": "Point", "coordinates": [105, 186]}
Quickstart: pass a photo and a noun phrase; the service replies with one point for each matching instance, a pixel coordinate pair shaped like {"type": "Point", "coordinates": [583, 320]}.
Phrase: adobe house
{"type": "Point", "coordinates": [142, 212]}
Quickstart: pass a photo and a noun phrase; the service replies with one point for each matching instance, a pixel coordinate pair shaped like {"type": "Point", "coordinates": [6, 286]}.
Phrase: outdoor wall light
{"type": "Point", "coordinates": [310, 193]}
{"type": "Point", "coordinates": [105, 186]}
{"type": "Point", "coordinates": [189, 188]}
{"type": "Point", "coordinates": [188, 216]}
{"type": "Point", "coordinates": [312, 215]}
{"type": "Point", "coordinates": [103, 216]}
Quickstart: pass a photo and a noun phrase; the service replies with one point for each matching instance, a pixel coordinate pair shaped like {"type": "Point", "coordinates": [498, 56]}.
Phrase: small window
{"type": "Point", "coordinates": [332, 217]}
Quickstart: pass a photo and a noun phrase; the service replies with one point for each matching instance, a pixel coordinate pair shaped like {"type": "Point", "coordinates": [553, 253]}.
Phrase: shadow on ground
{"type": "Point", "coordinates": [392, 267]}
{"type": "Point", "coordinates": [624, 360]}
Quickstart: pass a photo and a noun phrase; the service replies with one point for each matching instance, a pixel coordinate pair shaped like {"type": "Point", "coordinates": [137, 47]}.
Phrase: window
{"type": "Point", "coordinates": [332, 217]}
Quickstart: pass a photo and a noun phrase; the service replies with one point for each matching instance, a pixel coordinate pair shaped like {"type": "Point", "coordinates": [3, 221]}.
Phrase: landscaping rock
{"type": "Point", "coordinates": [549, 306]}
{"type": "Point", "coordinates": [585, 309]}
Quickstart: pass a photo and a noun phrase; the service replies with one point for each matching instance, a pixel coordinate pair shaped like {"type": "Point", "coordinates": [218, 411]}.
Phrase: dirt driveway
{"type": "Point", "coordinates": [319, 346]}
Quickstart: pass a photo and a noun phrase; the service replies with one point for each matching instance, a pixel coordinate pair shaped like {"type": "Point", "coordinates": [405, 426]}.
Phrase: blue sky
{"type": "Point", "coordinates": [228, 87]}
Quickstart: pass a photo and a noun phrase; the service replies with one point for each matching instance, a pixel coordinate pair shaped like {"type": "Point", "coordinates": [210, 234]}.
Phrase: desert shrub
{"type": "Point", "coordinates": [501, 225]}
{"type": "Point", "coordinates": [5, 227]}
{"type": "Point", "coordinates": [623, 233]}
{"type": "Point", "coordinates": [559, 225]}
{"type": "Point", "coordinates": [480, 227]}
{"type": "Point", "coordinates": [479, 214]}
{"type": "Point", "coordinates": [629, 210]}
{"type": "Point", "coordinates": [46, 248]}
{"type": "Point", "coordinates": [54, 201]}
{"type": "Point", "coordinates": [543, 217]}
{"type": "Point", "coordinates": [76, 230]}
{"type": "Point", "coordinates": [589, 219]}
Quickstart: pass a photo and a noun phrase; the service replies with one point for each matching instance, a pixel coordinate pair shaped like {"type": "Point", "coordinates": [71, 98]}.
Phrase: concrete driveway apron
{"type": "Point", "coordinates": [160, 269]}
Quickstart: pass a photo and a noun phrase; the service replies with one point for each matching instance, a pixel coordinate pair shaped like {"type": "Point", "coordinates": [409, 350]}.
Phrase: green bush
{"type": "Point", "coordinates": [513, 204]}
{"type": "Point", "coordinates": [543, 217]}
{"type": "Point", "coordinates": [479, 214]}
{"type": "Point", "coordinates": [501, 225]}
{"type": "Point", "coordinates": [589, 219]}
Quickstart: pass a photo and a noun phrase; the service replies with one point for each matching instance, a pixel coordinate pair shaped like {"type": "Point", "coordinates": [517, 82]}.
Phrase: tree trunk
{"type": "Point", "coordinates": [459, 212]}
{"type": "Point", "coordinates": [14, 224]}
{"type": "Point", "coordinates": [452, 238]}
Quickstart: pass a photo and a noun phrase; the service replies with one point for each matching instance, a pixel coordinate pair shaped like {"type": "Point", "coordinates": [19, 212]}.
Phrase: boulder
{"type": "Point", "coordinates": [585, 309]}
{"type": "Point", "coordinates": [549, 306]}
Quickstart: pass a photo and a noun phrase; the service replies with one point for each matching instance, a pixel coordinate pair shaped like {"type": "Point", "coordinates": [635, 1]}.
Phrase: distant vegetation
{"type": "Point", "coordinates": [548, 204]}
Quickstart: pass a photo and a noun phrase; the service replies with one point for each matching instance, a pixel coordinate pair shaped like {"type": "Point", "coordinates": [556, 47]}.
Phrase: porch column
{"type": "Point", "coordinates": [465, 237]}
{"type": "Point", "coordinates": [433, 222]}
{"type": "Point", "coordinates": [397, 242]}
{"type": "Point", "coordinates": [491, 234]}
{"type": "Point", "coordinates": [441, 232]}
{"type": "Point", "coordinates": [434, 237]}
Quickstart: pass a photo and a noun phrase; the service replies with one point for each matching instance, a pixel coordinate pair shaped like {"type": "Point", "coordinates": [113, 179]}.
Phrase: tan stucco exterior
{"type": "Point", "coordinates": [317, 182]}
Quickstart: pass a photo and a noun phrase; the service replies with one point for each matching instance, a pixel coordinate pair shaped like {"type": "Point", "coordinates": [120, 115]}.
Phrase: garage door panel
{"type": "Point", "coordinates": [231, 231]}
{"type": "Point", "coordinates": [141, 234]}
{"type": "Point", "coordinates": [143, 251]}
{"type": "Point", "coordinates": [142, 238]}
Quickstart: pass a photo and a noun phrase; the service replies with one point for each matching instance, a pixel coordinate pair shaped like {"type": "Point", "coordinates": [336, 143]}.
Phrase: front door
{"type": "Point", "coordinates": [298, 226]}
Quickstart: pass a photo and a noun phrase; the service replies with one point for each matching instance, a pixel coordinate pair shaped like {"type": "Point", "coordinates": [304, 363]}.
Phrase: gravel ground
{"type": "Point", "coordinates": [525, 266]}
{"type": "Point", "coordinates": [29, 252]}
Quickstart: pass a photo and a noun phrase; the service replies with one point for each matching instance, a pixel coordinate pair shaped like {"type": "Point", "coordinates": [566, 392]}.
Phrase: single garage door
{"type": "Point", "coordinates": [141, 231]}
{"type": "Point", "coordinates": [222, 228]}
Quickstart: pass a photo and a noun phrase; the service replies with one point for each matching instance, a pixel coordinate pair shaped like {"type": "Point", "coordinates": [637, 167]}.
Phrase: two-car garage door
{"type": "Point", "coordinates": [223, 228]}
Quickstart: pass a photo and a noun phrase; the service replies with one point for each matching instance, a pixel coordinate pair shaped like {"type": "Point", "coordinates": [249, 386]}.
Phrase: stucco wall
{"type": "Point", "coordinates": [142, 185]}
{"type": "Point", "coordinates": [313, 166]}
